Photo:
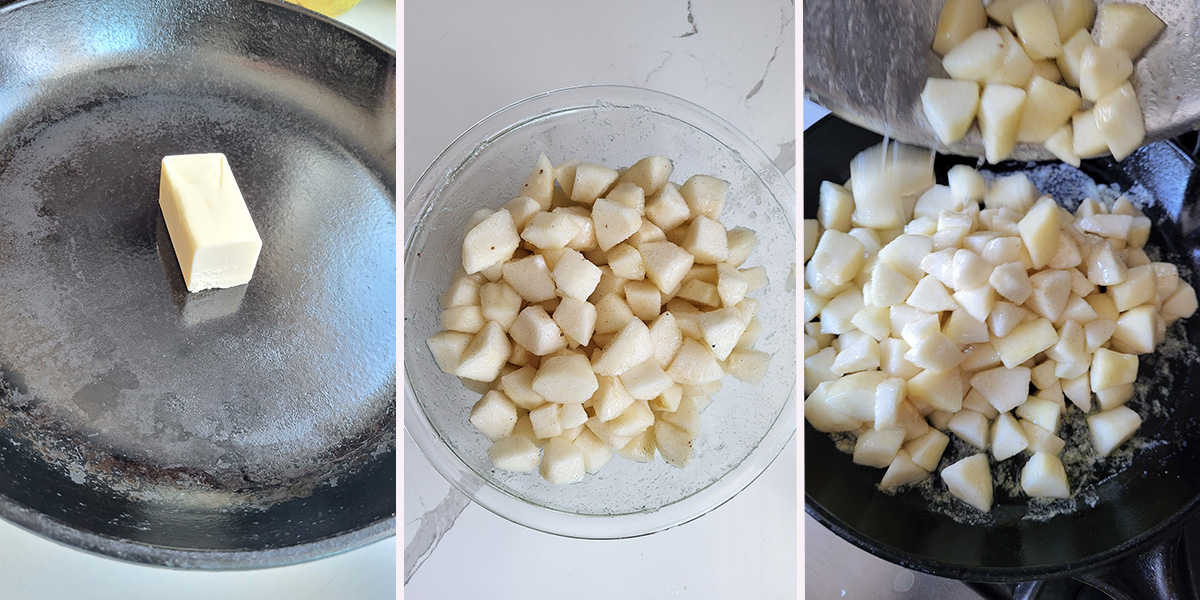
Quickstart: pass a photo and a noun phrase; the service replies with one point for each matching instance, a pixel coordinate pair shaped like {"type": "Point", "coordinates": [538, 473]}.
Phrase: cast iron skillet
{"type": "Point", "coordinates": [1126, 543]}
{"type": "Point", "coordinates": [236, 428]}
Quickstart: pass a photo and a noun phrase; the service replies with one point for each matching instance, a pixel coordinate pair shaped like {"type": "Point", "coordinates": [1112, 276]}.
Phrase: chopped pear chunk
{"type": "Point", "coordinates": [970, 480]}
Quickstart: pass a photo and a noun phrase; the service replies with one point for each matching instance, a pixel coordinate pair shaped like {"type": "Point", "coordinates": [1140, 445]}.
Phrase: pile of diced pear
{"type": "Point", "coordinates": [932, 309]}
{"type": "Point", "coordinates": [599, 315]}
{"type": "Point", "coordinates": [1010, 75]}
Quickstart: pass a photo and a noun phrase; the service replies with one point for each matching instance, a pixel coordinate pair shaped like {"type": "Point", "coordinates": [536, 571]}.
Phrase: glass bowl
{"type": "Point", "coordinates": [743, 429]}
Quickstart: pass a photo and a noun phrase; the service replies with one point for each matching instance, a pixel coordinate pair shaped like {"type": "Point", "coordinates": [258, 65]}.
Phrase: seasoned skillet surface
{"type": "Point", "coordinates": [229, 428]}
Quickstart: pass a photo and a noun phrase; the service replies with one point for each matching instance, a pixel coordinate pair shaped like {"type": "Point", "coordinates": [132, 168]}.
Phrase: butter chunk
{"type": "Point", "coordinates": [211, 229]}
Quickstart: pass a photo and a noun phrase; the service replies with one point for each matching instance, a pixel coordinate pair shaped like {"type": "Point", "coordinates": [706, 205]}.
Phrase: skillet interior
{"type": "Point", "coordinates": [1132, 507]}
{"type": "Point", "coordinates": [232, 428]}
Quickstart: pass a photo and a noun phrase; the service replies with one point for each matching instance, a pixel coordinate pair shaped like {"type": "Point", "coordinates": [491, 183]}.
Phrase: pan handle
{"type": "Point", "coordinates": [1153, 573]}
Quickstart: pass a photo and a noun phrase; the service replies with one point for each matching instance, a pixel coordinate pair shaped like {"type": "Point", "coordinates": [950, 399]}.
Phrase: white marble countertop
{"type": "Point", "coordinates": [33, 568]}
{"type": "Point", "coordinates": [465, 60]}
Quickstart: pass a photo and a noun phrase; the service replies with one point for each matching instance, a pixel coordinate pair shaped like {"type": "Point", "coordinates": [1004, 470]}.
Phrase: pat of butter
{"type": "Point", "coordinates": [214, 237]}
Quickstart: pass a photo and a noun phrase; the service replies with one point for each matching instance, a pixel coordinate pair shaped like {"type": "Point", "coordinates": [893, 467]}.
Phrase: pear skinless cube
{"type": "Point", "coordinates": [943, 391]}
{"type": "Point", "coordinates": [1128, 26]}
{"type": "Point", "coordinates": [1007, 437]}
{"type": "Point", "coordinates": [970, 480]}
{"type": "Point", "coordinates": [518, 388]}
{"type": "Point", "coordinates": [1044, 476]}
{"type": "Point", "coordinates": [958, 19]}
{"type": "Point", "coordinates": [612, 314]}
{"type": "Point", "coordinates": [546, 420]}
{"type": "Point", "coordinates": [1072, 51]}
{"type": "Point", "coordinates": [515, 453]}
{"type": "Point", "coordinates": [694, 364]}
{"type": "Point", "coordinates": [646, 380]}
{"type": "Point", "coordinates": [530, 277]}
{"type": "Point", "coordinates": [1119, 120]}
{"type": "Point", "coordinates": [667, 264]}
{"type": "Point", "coordinates": [927, 450]}
{"type": "Point", "coordinates": [464, 291]}
{"type": "Point", "coordinates": [632, 346]}
{"type": "Point", "coordinates": [1087, 138]}
{"type": "Point", "coordinates": [935, 200]}
{"type": "Point", "coordinates": [1000, 109]}
{"type": "Point", "coordinates": [823, 416]}
{"type": "Point", "coordinates": [562, 463]}
{"type": "Point", "coordinates": [1061, 144]}
{"type": "Point", "coordinates": [614, 222]}
{"type": "Point", "coordinates": [576, 319]}
{"type": "Point", "coordinates": [835, 205]}
{"type": "Point", "coordinates": [1034, 23]}
{"type": "Point", "coordinates": [550, 230]}
{"type": "Point", "coordinates": [705, 195]}
{"type": "Point", "coordinates": [499, 302]}
{"type": "Point", "coordinates": [645, 301]}
{"type": "Point", "coordinates": [970, 427]}
{"type": "Point", "coordinates": [674, 444]}
{"type": "Point", "coordinates": [876, 448]}
{"type": "Point", "coordinates": [590, 182]}
{"type": "Point", "coordinates": [1114, 396]}
{"type": "Point", "coordinates": [1025, 341]}
{"type": "Point", "coordinates": [1012, 282]}
{"type": "Point", "coordinates": [628, 194]}
{"type": "Point", "coordinates": [1110, 369]}
{"type": "Point", "coordinates": [447, 348]}
{"type": "Point", "coordinates": [1181, 303]}
{"type": "Point", "coordinates": [566, 379]}
{"type": "Point", "coordinates": [1004, 388]}
{"type": "Point", "coordinates": [1111, 428]}
{"type": "Point", "coordinates": [522, 209]}
{"type": "Point", "coordinates": [902, 470]}
{"type": "Point", "coordinates": [649, 174]}
{"type": "Point", "coordinates": [668, 210]}
{"type": "Point", "coordinates": [1017, 67]}
{"type": "Point", "coordinates": [1101, 70]}
{"type": "Point", "coordinates": [950, 107]}
{"type": "Point", "coordinates": [586, 240]}
{"type": "Point", "coordinates": [976, 57]}
{"type": "Point", "coordinates": [1051, 290]}
{"type": "Point", "coordinates": [485, 355]}
{"type": "Point", "coordinates": [1001, 11]}
{"type": "Point", "coordinates": [575, 276]}
{"type": "Point", "coordinates": [1048, 107]}
{"type": "Point", "coordinates": [640, 447]}
{"type": "Point", "coordinates": [1045, 413]}
{"type": "Point", "coordinates": [537, 332]}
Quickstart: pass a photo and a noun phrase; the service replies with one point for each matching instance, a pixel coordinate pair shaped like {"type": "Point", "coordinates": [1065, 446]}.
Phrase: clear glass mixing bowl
{"type": "Point", "coordinates": [743, 429]}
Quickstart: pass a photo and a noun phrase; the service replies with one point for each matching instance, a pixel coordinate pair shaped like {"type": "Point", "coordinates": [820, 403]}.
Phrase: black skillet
{"type": "Point", "coordinates": [236, 428]}
{"type": "Point", "coordinates": [1127, 543]}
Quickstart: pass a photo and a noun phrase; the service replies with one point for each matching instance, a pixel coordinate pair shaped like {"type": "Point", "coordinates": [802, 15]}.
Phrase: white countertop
{"type": "Point", "coordinates": [33, 568]}
{"type": "Point", "coordinates": [465, 60]}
